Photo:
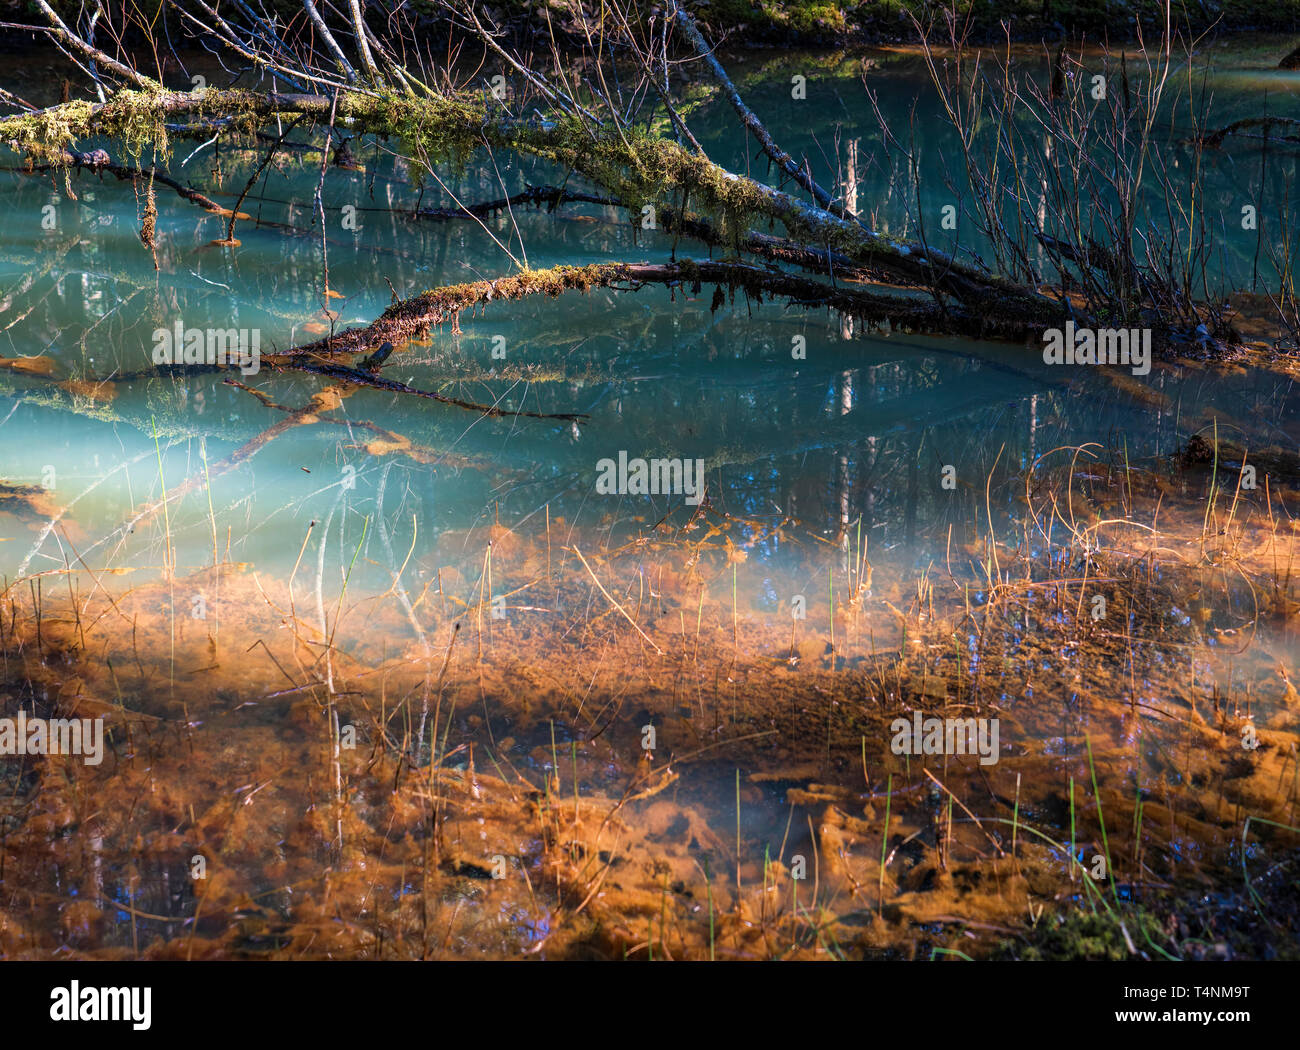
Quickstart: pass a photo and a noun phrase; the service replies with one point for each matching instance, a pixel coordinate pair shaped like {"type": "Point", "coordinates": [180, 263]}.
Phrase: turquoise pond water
{"type": "Point", "coordinates": [856, 430]}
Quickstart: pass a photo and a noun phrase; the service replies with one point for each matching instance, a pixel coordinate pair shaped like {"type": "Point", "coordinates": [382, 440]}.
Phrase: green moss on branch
{"type": "Point", "coordinates": [635, 167]}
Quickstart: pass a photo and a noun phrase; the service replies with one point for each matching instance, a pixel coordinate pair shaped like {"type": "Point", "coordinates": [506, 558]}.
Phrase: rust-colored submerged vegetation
{"type": "Point", "coordinates": [378, 775]}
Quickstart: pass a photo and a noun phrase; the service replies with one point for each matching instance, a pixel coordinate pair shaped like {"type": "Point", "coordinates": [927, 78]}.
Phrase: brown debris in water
{"type": "Point", "coordinates": [30, 504]}
{"type": "Point", "coordinates": [763, 768]}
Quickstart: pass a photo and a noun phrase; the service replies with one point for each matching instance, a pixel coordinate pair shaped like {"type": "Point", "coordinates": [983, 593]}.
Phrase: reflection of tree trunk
{"type": "Point", "coordinates": [1160, 414]}
{"type": "Point", "coordinates": [869, 493]}
{"type": "Point", "coordinates": [850, 209]}
{"type": "Point", "coordinates": [1033, 428]}
{"type": "Point", "coordinates": [843, 486]}
{"type": "Point", "coordinates": [1042, 199]}
{"type": "Point", "coordinates": [913, 484]}
{"type": "Point", "coordinates": [94, 887]}
{"type": "Point", "coordinates": [851, 180]}
{"type": "Point", "coordinates": [843, 489]}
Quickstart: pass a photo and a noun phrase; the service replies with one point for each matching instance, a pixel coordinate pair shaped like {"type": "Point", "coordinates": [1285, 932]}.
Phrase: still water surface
{"type": "Point", "coordinates": [810, 461]}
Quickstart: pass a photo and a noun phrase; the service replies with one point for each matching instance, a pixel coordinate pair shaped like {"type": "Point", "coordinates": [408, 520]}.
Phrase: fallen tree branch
{"type": "Point", "coordinates": [66, 36]}
{"type": "Point", "coordinates": [1116, 271]}
{"type": "Point", "coordinates": [415, 317]}
{"type": "Point", "coordinates": [635, 167]}
{"type": "Point", "coordinates": [98, 161]}
{"type": "Point", "coordinates": [749, 118]}
{"type": "Point", "coordinates": [832, 264]}
{"type": "Point", "coordinates": [552, 196]}
{"type": "Point", "coordinates": [345, 67]}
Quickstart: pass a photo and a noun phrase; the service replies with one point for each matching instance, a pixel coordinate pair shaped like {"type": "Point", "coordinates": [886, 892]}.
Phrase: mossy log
{"type": "Point", "coordinates": [635, 167]}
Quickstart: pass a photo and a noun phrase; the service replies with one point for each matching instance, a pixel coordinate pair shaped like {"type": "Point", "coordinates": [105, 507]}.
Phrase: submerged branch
{"type": "Point", "coordinates": [98, 161]}
{"type": "Point", "coordinates": [296, 361]}
{"type": "Point", "coordinates": [299, 363]}
{"type": "Point", "coordinates": [1214, 139]}
{"type": "Point", "coordinates": [552, 196]}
